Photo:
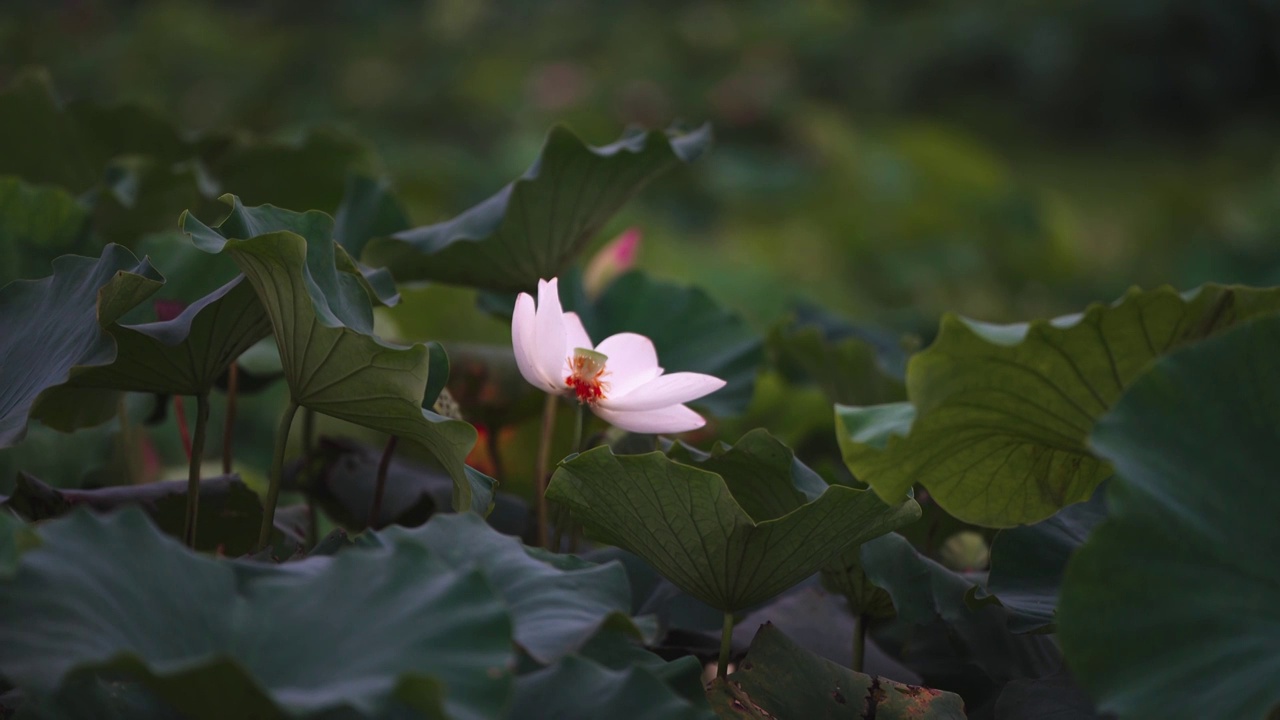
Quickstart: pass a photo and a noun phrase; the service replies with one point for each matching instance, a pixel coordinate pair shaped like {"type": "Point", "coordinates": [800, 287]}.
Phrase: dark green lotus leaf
{"type": "Point", "coordinates": [52, 325]}
{"type": "Point", "coordinates": [535, 227]}
{"type": "Point", "coordinates": [311, 172]}
{"type": "Point", "coordinates": [38, 141]}
{"type": "Point", "coordinates": [730, 540]}
{"type": "Point", "coordinates": [142, 195]}
{"type": "Point", "coordinates": [368, 210]}
{"type": "Point", "coordinates": [1003, 411]}
{"type": "Point", "coordinates": [654, 595]}
{"type": "Point", "coordinates": [555, 610]}
{"type": "Point", "coordinates": [780, 679]}
{"type": "Point", "coordinates": [109, 131]}
{"type": "Point", "coordinates": [1055, 697]}
{"type": "Point", "coordinates": [1171, 609]}
{"type": "Point", "coordinates": [1027, 563]}
{"type": "Point", "coordinates": [851, 363]}
{"type": "Point", "coordinates": [182, 356]}
{"type": "Point", "coordinates": [230, 513]}
{"type": "Point", "coordinates": [365, 632]}
{"type": "Point", "coordinates": [953, 645]}
{"type": "Point", "coordinates": [322, 319]}
{"type": "Point", "coordinates": [691, 332]}
{"type": "Point", "coordinates": [14, 534]}
{"type": "Point", "coordinates": [579, 689]}
{"type": "Point", "coordinates": [847, 577]}
{"type": "Point", "coordinates": [37, 224]}
{"type": "Point", "coordinates": [86, 696]}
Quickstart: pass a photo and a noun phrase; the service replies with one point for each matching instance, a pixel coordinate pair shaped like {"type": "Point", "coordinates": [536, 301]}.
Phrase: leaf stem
{"type": "Point", "coordinates": [540, 471]}
{"type": "Point", "coordinates": [308, 430]}
{"type": "Point", "coordinates": [859, 643]}
{"type": "Point", "coordinates": [229, 422]}
{"type": "Point", "coordinates": [726, 644]}
{"type": "Point", "coordinates": [380, 486]}
{"type": "Point", "coordinates": [193, 469]}
{"type": "Point", "coordinates": [277, 474]}
{"type": "Point", "coordinates": [183, 432]}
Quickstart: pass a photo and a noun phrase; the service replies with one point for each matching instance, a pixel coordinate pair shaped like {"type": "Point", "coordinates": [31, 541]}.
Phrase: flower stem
{"type": "Point", "coordinates": [577, 428]}
{"type": "Point", "coordinates": [381, 485]}
{"type": "Point", "coordinates": [277, 474]}
{"type": "Point", "coordinates": [859, 644]}
{"type": "Point", "coordinates": [726, 644]}
{"type": "Point", "coordinates": [193, 469]}
{"type": "Point", "coordinates": [495, 454]}
{"type": "Point", "coordinates": [540, 471]}
{"type": "Point", "coordinates": [229, 422]}
{"type": "Point", "coordinates": [181, 414]}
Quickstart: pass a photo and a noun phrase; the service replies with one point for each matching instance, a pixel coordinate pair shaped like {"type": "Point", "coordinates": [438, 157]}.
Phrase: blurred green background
{"type": "Point", "coordinates": [891, 159]}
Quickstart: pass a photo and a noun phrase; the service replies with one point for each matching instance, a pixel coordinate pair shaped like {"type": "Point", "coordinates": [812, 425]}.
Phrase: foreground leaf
{"type": "Point", "coordinates": [578, 689]}
{"type": "Point", "coordinates": [732, 539]}
{"type": "Point", "coordinates": [322, 318]}
{"type": "Point", "coordinates": [555, 610]}
{"type": "Point", "coordinates": [535, 227]}
{"type": "Point", "coordinates": [779, 679]}
{"type": "Point", "coordinates": [215, 645]}
{"type": "Point", "coordinates": [50, 326]}
{"type": "Point", "coordinates": [1003, 411]}
{"type": "Point", "coordinates": [1178, 588]}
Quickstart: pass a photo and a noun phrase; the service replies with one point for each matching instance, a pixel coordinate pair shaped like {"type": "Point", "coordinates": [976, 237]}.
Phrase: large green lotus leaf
{"type": "Point", "coordinates": [691, 332]}
{"type": "Point", "coordinates": [555, 610]}
{"type": "Point", "coordinates": [780, 679]}
{"type": "Point", "coordinates": [322, 317]}
{"type": "Point", "coordinates": [366, 631]}
{"type": "Point", "coordinates": [368, 210]}
{"type": "Point", "coordinates": [535, 227]}
{"type": "Point", "coordinates": [1171, 609]}
{"type": "Point", "coordinates": [579, 689]}
{"type": "Point", "coordinates": [182, 356]}
{"type": "Point", "coordinates": [37, 224]}
{"type": "Point", "coordinates": [1003, 411]}
{"type": "Point", "coordinates": [230, 513]}
{"type": "Point", "coordinates": [1056, 697]}
{"type": "Point", "coordinates": [52, 325]}
{"type": "Point", "coordinates": [38, 141]}
{"type": "Point", "coordinates": [952, 644]}
{"type": "Point", "coordinates": [729, 540]}
{"type": "Point", "coordinates": [1027, 563]}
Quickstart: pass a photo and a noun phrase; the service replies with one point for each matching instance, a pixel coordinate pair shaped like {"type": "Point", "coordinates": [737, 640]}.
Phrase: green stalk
{"type": "Point", "coordinates": [193, 469]}
{"type": "Point", "coordinates": [229, 423]}
{"type": "Point", "coordinates": [577, 428]}
{"type": "Point", "coordinates": [726, 644]}
{"type": "Point", "coordinates": [380, 486]}
{"type": "Point", "coordinates": [540, 471]}
{"type": "Point", "coordinates": [859, 644]}
{"type": "Point", "coordinates": [277, 474]}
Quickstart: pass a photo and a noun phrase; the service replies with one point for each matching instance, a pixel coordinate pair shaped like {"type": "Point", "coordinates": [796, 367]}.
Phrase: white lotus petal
{"type": "Point", "coordinates": [576, 337]}
{"type": "Point", "coordinates": [672, 419]}
{"type": "Point", "coordinates": [633, 361]}
{"type": "Point", "coordinates": [523, 341]}
{"type": "Point", "coordinates": [662, 391]}
{"type": "Point", "coordinates": [551, 349]}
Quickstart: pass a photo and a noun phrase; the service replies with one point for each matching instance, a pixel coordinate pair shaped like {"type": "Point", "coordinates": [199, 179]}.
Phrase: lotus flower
{"type": "Point", "coordinates": [619, 379]}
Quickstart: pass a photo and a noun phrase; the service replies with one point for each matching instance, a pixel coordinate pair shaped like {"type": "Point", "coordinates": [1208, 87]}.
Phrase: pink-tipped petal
{"type": "Point", "coordinates": [523, 342]}
{"type": "Point", "coordinates": [671, 419]}
{"type": "Point", "coordinates": [664, 390]}
{"type": "Point", "coordinates": [552, 348]}
{"type": "Point", "coordinates": [633, 361]}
